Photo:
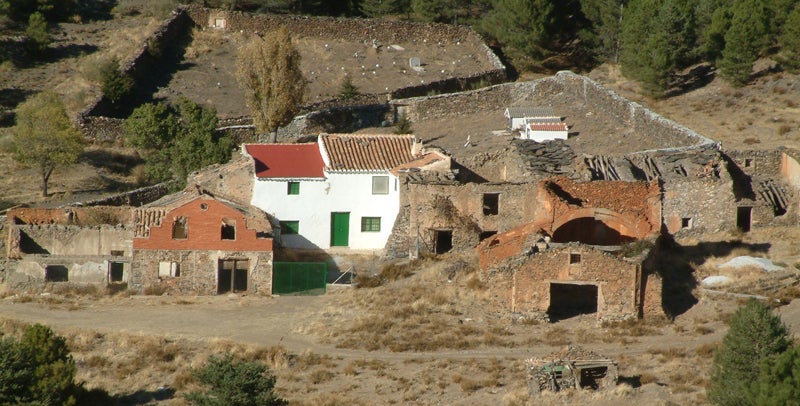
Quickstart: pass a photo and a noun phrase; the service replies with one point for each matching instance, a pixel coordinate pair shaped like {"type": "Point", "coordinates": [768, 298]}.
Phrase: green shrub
{"type": "Point", "coordinates": [116, 84]}
{"type": "Point", "coordinates": [755, 336]}
{"type": "Point", "coordinates": [234, 383]}
{"type": "Point", "coordinates": [37, 36]}
{"type": "Point", "coordinates": [37, 369]}
{"type": "Point", "coordinates": [403, 125]}
{"type": "Point", "coordinates": [348, 89]}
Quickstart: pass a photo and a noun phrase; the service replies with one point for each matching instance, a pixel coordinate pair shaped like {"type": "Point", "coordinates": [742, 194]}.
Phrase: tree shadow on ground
{"type": "Point", "coordinates": [141, 397]}
{"type": "Point", "coordinates": [57, 53]}
{"type": "Point", "coordinates": [11, 97]}
{"type": "Point", "coordinates": [114, 162]}
{"type": "Point", "coordinates": [634, 381]}
{"type": "Point", "coordinates": [676, 264]}
{"type": "Point", "coordinates": [96, 10]}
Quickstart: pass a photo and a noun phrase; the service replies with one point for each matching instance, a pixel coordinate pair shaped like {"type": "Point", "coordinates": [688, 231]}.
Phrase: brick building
{"type": "Point", "coordinates": [194, 242]}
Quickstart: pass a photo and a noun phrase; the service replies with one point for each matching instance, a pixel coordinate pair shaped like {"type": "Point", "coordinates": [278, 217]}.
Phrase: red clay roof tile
{"type": "Point", "coordinates": [355, 152]}
{"type": "Point", "coordinates": [286, 160]}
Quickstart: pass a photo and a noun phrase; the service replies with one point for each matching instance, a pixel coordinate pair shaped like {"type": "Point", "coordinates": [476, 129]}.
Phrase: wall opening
{"type": "Point", "coordinates": [167, 269]}
{"type": "Point", "coordinates": [179, 229]}
{"type": "Point", "coordinates": [574, 258]}
{"type": "Point", "coordinates": [442, 241]}
{"type": "Point", "coordinates": [491, 204]}
{"type": "Point", "coordinates": [116, 271]}
{"type": "Point", "coordinates": [687, 222]}
{"type": "Point", "coordinates": [228, 229]}
{"type": "Point", "coordinates": [29, 246]}
{"type": "Point", "coordinates": [117, 253]}
{"type": "Point", "coordinates": [569, 300]}
{"type": "Point", "coordinates": [232, 275]}
{"type": "Point", "coordinates": [748, 162]}
{"type": "Point", "coordinates": [56, 273]}
{"type": "Point", "coordinates": [486, 234]}
{"type": "Point", "coordinates": [744, 218]}
{"type": "Point", "coordinates": [589, 230]}
{"type": "Point", "coordinates": [592, 377]}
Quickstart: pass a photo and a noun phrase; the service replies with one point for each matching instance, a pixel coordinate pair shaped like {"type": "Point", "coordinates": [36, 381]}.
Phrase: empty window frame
{"type": "Point", "coordinates": [56, 273]}
{"type": "Point", "coordinates": [180, 229]}
{"type": "Point", "coordinates": [370, 224]}
{"type": "Point", "coordinates": [380, 185]}
{"type": "Point", "coordinates": [574, 258]}
{"type": "Point", "coordinates": [116, 272]}
{"type": "Point", "coordinates": [117, 253]}
{"type": "Point", "coordinates": [687, 222]}
{"type": "Point", "coordinates": [290, 227]}
{"type": "Point", "coordinates": [491, 204]}
{"type": "Point", "coordinates": [167, 269]}
{"type": "Point", "coordinates": [292, 188]}
{"type": "Point", "coordinates": [228, 231]}
{"type": "Point", "coordinates": [748, 162]}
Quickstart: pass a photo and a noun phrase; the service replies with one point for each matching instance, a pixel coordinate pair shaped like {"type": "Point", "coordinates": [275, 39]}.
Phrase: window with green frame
{"type": "Point", "coordinates": [293, 188]}
{"type": "Point", "coordinates": [290, 227]}
{"type": "Point", "coordinates": [370, 224]}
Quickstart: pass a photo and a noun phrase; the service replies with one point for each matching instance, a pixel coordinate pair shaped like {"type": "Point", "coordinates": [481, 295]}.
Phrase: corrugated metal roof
{"type": "Point", "coordinates": [356, 152]}
{"type": "Point", "coordinates": [286, 160]}
{"type": "Point", "coordinates": [528, 111]}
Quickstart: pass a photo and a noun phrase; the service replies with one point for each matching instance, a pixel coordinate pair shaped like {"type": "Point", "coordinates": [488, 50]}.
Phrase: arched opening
{"type": "Point", "coordinates": [589, 230]}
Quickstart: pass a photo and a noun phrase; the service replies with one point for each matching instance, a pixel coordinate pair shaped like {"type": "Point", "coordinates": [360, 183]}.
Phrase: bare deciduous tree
{"type": "Point", "coordinates": [269, 71]}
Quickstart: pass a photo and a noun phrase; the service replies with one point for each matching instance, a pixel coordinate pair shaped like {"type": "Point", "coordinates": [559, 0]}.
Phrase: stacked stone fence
{"type": "Point", "coordinates": [136, 197]}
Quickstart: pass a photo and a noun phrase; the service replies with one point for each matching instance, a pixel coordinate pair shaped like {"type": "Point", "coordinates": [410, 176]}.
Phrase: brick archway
{"type": "Point", "coordinates": [598, 226]}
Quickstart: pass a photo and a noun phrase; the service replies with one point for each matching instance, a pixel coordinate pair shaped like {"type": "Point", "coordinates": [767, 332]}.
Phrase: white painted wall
{"type": "Point", "coordinates": [541, 136]}
{"type": "Point", "coordinates": [318, 198]}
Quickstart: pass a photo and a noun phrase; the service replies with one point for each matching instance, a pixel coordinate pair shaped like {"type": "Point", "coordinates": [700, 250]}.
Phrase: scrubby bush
{"type": "Point", "coordinates": [37, 369]}
{"type": "Point", "coordinates": [116, 85]}
{"type": "Point", "coordinates": [234, 383]}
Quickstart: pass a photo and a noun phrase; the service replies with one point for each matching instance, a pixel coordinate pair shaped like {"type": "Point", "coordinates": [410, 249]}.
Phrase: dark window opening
{"type": "Point", "coordinates": [491, 204]}
{"type": "Point", "coordinates": [262, 234]}
{"type": "Point", "coordinates": [574, 258]}
{"type": "Point", "coordinates": [442, 241]}
{"type": "Point", "coordinates": [56, 273]}
{"type": "Point", "coordinates": [228, 229]}
{"type": "Point", "coordinates": [116, 271]}
{"type": "Point", "coordinates": [592, 377]}
{"type": "Point", "coordinates": [117, 253]}
{"type": "Point", "coordinates": [686, 222]}
{"type": "Point", "coordinates": [569, 300]}
{"type": "Point", "coordinates": [29, 246]}
{"type": "Point", "coordinates": [589, 230]}
{"type": "Point", "coordinates": [232, 275]}
{"type": "Point", "coordinates": [748, 163]}
{"type": "Point", "coordinates": [486, 234]}
{"type": "Point", "coordinates": [743, 218]}
{"type": "Point", "coordinates": [179, 229]}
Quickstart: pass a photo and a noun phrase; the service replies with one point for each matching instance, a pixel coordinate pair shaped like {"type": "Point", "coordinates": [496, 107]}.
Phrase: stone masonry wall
{"type": "Point", "coordinates": [617, 281]}
{"type": "Point", "coordinates": [198, 271]}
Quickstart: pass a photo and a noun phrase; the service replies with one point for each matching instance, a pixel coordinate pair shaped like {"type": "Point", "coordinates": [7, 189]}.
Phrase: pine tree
{"type": "Point", "coordinates": [37, 36]}
{"type": "Point", "coordinates": [790, 41]}
{"type": "Point", "coordinates": [779, 381]}
{"type": "Point", "coordinates": [269, 71]}
{"type": "Point", "coordinates": [381, 8]}
{"type": "Point", "coordinates": [606, 19]}
{"type": "Point", "coordinates": [755, 335]}
{"type": "Point", "coordinates": [521, 26]}
{"type": "Point", "coordinates": [746, 38]}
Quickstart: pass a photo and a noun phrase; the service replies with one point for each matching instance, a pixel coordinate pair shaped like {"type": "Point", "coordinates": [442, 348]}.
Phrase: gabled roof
{"type": "Point", "coordinates": [527, 111]}
{"type": "Point", "coordinates": [356, 152]}
{"type": "Point", "coordinates": [548, 126]}
{"type": "Point", "coordinates": [286, 160]}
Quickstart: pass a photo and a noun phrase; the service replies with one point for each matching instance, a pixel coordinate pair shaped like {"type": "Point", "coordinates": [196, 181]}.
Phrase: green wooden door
{"type": "Point", "coordinates": [340, 229]}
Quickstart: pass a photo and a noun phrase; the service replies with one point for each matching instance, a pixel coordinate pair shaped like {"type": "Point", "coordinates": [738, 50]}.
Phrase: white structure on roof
{"type": "Point", "coordinates": [517, 115]}
{"type": "Point", "coordinates": [541, 131]}
{"type": "Point", "coordinates": [342, 191]}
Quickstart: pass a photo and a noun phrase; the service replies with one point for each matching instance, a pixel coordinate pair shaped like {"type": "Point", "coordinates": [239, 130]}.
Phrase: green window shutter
{"type": "Point", "coordinates": [370, 224]}
{"type": "Point", "coordinates": [293, 188]}
{"type": "Point", "coordinates": [290, 227]}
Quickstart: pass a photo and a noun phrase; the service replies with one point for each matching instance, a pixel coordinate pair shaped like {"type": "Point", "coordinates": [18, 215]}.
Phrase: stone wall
{"type": "Point", "coordinates": [137, 197]}
{"type": "Point", "coordinates": [198, 271]}
{"type": "Point", "coordinates": [62, 240]}
{"type": "Point", "coordinates": [233, 180]}
{"type": "Point", "coordinates": [529, 278]}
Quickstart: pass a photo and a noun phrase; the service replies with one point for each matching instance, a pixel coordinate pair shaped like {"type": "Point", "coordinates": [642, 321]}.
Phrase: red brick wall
{"type": "Point", "coordinates": [204, 230]}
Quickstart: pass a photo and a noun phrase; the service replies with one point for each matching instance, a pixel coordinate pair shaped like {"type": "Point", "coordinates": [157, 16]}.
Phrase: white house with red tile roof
{"type": "Point", "coordinates": [541, 131]}
{"type": "Point", "coordinates": [338, 192]}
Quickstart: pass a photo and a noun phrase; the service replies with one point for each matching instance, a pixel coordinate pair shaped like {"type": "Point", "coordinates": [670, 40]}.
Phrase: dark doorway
{"type": "Point", "coordinates": [569, 300]}
{"type": "Point", "coordinates": [56, 273]}
{"type": "Point", "coordinates": [442, 241]}
{"type": "Point", "coordinates": [232, 275]}
{"type": "Point", "coordinates": [115, 271]}
{"type": "Point", "coordinates": [743, 218]}
{"type": "Point", "coordinates": [589, 230]}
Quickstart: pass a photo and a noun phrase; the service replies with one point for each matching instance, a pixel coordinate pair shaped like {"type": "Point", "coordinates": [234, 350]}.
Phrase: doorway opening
{"type": "Point", "coordinates": [232, 275]}
{"type": "Point", "coordinates": [744, 218]}
{"type": "Point", "coordinates": [570, 299]}
{"type": "Point", "coordinates": [442, 241]}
